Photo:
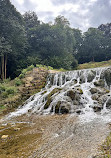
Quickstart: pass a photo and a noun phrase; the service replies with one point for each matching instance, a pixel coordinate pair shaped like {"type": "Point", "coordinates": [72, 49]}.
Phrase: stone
{"type": "Point", "coordinates": [94, 90]}
{"type": "Point", "coordinates": [71, 94]}
{"type": "Point", "coordinates": [97, 108]}
{"type": "Point", "coordinates": [91, 76]}
{"type": "Point", "coordinates": [106, 74]}
{"type": "Point", "coordinates": [16, 129]}
{"type": "Point", "coordinates": [4, 136]}
{"type": "Point", "coordinates": [99, 83]}
{"type": "Point", "coordinates": [108, 104]}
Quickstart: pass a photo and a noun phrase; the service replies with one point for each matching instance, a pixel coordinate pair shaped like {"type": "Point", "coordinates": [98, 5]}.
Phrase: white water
{"type": "Point", "coordinates": [68, 81]}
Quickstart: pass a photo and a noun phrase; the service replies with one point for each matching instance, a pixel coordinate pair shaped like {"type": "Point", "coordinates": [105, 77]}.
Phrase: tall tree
{"type": "Point", "coordinates": [12, 30]}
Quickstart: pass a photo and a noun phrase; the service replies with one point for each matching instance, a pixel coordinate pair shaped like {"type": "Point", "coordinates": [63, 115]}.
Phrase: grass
{"type": "Point", "coordinates": [105, 149]}
{"type": "Point", "coordinates": [94, 64]}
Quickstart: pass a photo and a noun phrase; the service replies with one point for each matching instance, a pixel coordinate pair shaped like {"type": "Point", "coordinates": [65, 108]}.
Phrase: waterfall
{"type": "Point", "coordinates": [78, 92]}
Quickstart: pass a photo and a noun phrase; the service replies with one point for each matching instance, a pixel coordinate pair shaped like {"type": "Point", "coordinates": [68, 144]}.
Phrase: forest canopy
{"type": "Point", "coordinates": [25, 40]}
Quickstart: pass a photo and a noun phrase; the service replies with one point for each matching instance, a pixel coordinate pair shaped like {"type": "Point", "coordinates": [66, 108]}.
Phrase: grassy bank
{"type": "Point", "coordinates": [94, 64]}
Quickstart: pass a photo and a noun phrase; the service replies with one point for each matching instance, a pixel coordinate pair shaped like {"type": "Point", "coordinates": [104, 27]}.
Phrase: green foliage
{"type": "Point", "coordinates": [94, 64]}
{"type": "Point", "coordinates": [21, 76]}
{"type": "Point", "coordinates": [6, 90]}
{"type": "Point", "coordinates": [18, 82]}
{"type": "Point", "coordinates": [30, 68]}
{"type": "Point", "coordinates": [2, 88]}
{"type": "Point", "coordinates": [24, 71]}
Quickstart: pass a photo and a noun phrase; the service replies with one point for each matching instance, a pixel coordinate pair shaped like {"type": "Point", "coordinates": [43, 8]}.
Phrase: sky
{"type": "Point", "coordinates": [81, 14]}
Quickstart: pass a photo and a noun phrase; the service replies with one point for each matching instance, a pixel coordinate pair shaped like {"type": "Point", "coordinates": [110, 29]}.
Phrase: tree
{"type": "Point", "coordinates": [92, 47]}
{"type": "Point", "coordinates": [13, 32]}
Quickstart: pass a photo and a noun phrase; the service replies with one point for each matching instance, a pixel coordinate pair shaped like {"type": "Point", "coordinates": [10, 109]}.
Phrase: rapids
{"type": "Point", "coordinates": [70, 92]}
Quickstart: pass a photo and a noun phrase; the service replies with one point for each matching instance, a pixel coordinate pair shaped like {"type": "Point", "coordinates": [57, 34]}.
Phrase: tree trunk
{"type": "Point", "coordinates": [2, 61]}
{"type": "Point", "coordinates": [5, 66]}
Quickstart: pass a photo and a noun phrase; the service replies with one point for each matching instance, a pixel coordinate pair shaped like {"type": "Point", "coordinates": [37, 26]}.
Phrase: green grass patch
{"type": "Point", "coordinates": [105, 149]}
{"type": "Point", "coordinates": [94, 64]}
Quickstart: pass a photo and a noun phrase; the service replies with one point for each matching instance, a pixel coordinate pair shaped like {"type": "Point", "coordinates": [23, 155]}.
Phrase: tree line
{"type": "Point", "coordinates": [25, 40]}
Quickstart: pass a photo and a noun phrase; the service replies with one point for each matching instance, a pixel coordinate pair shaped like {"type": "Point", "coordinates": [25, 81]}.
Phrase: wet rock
{"type": "Point", "coordinates": [91, 76]}
{"type": "Point", "coordinates": [108, 104]}
{"type": "Point", "coordinates": [94, 90]}
{"type": "Point", "coordinates": [97, 108]}
{"type": "Point", "coordinates": [49, 99]}
{"type": "Point", "coordinates": [99, 83]}
{"type": "Point", "coordinates": [78, 111]}
{"type": "Point", "coordinates": [71, 94]}
{"type": "Point", "coordinates": [106, 74]}
{"type": "Point", "coordinates": [62, 107]}
{"type": "Point", "coordinates": [102, 99]}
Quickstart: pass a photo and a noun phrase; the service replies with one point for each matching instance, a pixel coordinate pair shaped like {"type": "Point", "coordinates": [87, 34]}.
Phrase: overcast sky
{"type": "Point", "coordinates": [81, 14]}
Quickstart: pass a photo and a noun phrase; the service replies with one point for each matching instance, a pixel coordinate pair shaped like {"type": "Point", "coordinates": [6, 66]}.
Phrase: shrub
{"type": "Point", "coordinates": [50, 68]}
{"type": "Point", "coordinates": [24, 71]}
{"type": "Point", "coordinates": [21, 76]}
{"type": "Point", "coordinates": [18, 82]}
{"type": "Point", "coordinates": [11, 90]}
{"type": "Point", "coordinates": [2, 88]}
{"type": "Point", "coordinates": [4, 94]}
{"type": "Point", "coordinates": [30, 68]}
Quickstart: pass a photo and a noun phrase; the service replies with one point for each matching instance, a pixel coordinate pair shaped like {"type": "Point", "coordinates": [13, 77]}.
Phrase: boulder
{"type": "Point", "coordinates": [106, 74]}
{"type": "Point", "coordinates": [108, 104]}
{"type": "Point", "coordinates": [71, 94]}
{"type": "Point", "coordinates": [94, 90]}
{"type": "Point", "coordinates": [97, 108]}
{"type": "Point", "coordinates": [91, 76]}
{"type": "Point", "coordinates": [99, 83]}
{"type": "Point", "coordinates": [62, 107]}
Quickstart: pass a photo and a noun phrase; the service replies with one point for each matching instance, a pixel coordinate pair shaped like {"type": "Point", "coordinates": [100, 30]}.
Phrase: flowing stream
{"type": "Point", "coordinates": [84, 95]}
{"type": "Point", "coordinates": [72, 92]}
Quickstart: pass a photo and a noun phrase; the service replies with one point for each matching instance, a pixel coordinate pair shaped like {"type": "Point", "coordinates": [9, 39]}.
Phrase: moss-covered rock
{"type": "Point", "coordinates": [99, 83]}
{"type": "Point", "coordinates": [49, 99]}
{"type": "Point", "coordinates": [107, 76]}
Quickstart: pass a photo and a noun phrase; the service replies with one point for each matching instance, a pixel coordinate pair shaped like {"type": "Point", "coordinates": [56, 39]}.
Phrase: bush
{"type": "Point", "coordinates": [2, 88]}
{"type": "Point", "coordinates": [4, 94]}
{"type": "Point", "coordinates": [11, 90]}
{"type": "Point", "coordinates": [50, 68]}
{"type": "Point", "coordinates": [21, 76]}
{"type": "Point", "coordinates": [30, 68]}
{"type": "Point", "coordinates": [18, 82]}
{"type": "Point", "coordinates": [24, 71]}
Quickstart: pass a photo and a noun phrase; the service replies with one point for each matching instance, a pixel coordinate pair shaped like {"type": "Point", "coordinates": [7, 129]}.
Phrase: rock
{"type": "Point", "coordinates": [91, 75]}
{"type": "Point", "coordinates": [108, 104]}
{"type": "Point", "coordinates": [4, 136]}
{"type": "Point", "coordinates": [78, 111]}
{"type": "Point", "coordinates": [102, 99]}
{"type": "Point", "coordinates": [94, 90]}
{"type": "Point", "coordinates": [62, 107]}
{"type": "Point", "coordinates": [106, 74]}
{"type": "Point", "coordinates": [97, 108]}
{"type": "Point", "coordinates": [16, 129]}
{"type": "Point", "coordinates": [99, 83]}
{"type": "Point", "coordinates": [71, 94]}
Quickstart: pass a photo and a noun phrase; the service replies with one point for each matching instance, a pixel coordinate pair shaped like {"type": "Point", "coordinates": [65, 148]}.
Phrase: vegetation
{"type": "Point", "coordinates": [94, 64]}
{"type": "Point", "coordinates": [105, 149]}
{"type": "Point", "coordinates": [24, 41]}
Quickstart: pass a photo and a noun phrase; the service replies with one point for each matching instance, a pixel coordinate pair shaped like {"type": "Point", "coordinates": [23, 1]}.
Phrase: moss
{"type": "Point", "coordinates": [49, 99]}
{"type": "Point", "coordinates": [71, 94]}
{"type": "Point", "coordinates": [105, 149]}
{"type": "Point", "coordinates": [107, 91]}
{"type": "Point", "coordinates": [57, 107]}
{"type": "Point", "coordinates": [80, 90]}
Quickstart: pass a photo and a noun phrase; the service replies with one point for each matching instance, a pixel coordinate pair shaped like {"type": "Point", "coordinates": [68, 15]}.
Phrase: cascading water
{"type": "Point", "coordinates": [81, 91]}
